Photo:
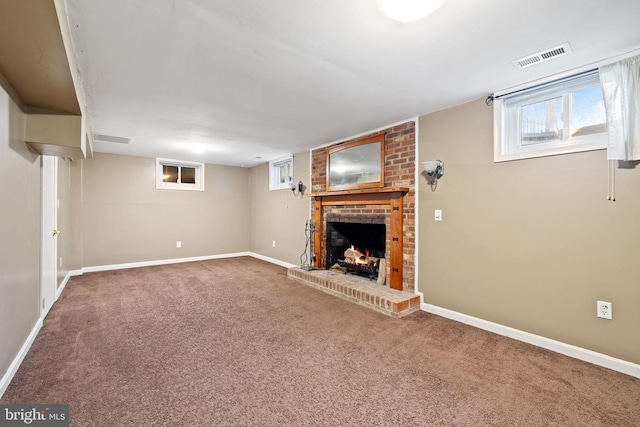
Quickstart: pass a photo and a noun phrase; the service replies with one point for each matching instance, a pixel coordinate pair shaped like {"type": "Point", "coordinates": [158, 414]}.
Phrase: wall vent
{"type": "Point", "coordinates": [542, 56]}
{"type": "Point", "coordinates": [109, 138]}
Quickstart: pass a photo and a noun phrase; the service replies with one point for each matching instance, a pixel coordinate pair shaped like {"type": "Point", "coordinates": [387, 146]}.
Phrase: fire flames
{"type": "Point", "coordinates": [356, 256]}
{"type": "Point", "coordinates": [359, 262]}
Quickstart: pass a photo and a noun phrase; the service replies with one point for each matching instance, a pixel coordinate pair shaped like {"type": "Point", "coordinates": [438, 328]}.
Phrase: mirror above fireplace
{"type": "Point", "coordinates": [358, 164]}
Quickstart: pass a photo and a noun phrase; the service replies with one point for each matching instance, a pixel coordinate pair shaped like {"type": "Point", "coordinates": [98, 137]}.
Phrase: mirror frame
{"type": "Point", "coordinates": [372, 184]}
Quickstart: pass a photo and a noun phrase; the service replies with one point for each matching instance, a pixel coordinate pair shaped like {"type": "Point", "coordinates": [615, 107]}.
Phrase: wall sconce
{"type": "Point", "coordinates": [299, 186]}
{"type": "Point", "coordinates": [433, 171]}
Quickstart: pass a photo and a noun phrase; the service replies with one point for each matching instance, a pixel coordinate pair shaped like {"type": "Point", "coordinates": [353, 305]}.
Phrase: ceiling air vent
{"type": "Point", "coordinates": [542, 56]}
{"type": "Point", "coordinates": [110, 138]}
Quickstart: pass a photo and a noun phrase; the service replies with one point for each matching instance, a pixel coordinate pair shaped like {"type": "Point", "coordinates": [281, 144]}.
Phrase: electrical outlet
{"type": "Point", "coordinates": [60, 262]}
{"type": "Point", "coordinates": [178, 244]}
{"type": "Point", "coordinates": [273, 243]}
{"type": "Point", "coordinates": [604, 310]}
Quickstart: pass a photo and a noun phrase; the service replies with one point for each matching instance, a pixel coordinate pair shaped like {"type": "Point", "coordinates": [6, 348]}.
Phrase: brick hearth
{"type": "Point", "coordinates": [359, 290]}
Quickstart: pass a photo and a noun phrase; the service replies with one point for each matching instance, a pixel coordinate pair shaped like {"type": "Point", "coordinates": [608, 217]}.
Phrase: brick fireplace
{"type": "Point", "coordinates": [390, 202]}
{"type": "Point", "coordinates": [393, 203]}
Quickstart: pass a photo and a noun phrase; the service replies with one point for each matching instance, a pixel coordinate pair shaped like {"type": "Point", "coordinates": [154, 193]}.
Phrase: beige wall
{"type": "Point", "coordinates": [530, 244]}
{"type": "Point", "coordinates": [69, 217]}
{"type": "Point", "coordinates": [126, 219]}
{"type": "Point", "coordinates": [19, 233]}
{"type": "Point", "coordinates": [279, 215]}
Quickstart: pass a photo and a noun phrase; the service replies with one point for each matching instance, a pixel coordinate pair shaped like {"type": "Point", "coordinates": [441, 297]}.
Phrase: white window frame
{"type": "Point", "coordinates": [161, 185]}
{"type": "Point", "coordinates": [506, 121]}
{"type": "Point", "coordinates": [274, 173]}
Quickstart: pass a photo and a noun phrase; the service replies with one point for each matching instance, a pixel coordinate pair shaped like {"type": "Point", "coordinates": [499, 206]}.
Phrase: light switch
{"type": "Point", "coordinates": [438, 215]}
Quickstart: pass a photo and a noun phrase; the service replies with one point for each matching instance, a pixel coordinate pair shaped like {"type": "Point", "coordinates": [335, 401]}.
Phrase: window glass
{"type": "Point", "coordinates": [588, 115]}
{"type": "Point", "coordinates": [169, 173]}
{"type": "Point", "coordinates": [283, 175]}
{"type": "Point", "coordinates": [187, 175]}
{"type": "Point", "coordinates": [541, 122]}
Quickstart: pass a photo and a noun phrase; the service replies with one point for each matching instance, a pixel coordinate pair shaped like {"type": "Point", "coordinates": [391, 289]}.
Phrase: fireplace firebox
{"type": "Point", "coordinates": [356, 248]}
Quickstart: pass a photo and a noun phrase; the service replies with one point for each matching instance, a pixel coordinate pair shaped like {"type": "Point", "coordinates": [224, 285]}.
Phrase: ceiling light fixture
{"type": "Point", "coordinates": [198, 148]}
{"type": "Point", "coordinates": [408, 10]}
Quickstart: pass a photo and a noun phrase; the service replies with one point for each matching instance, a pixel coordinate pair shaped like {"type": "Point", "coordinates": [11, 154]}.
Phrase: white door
{"type": "Point", "coordinates": [49, 233]}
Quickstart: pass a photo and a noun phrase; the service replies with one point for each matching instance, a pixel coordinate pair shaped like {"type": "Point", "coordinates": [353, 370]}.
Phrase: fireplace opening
{"type": "Point", "coordinates": [355, 248]}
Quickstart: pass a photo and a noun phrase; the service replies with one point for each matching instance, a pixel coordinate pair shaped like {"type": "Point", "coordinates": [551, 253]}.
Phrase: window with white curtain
{"type": "Point", "coordinates": [563, 116]}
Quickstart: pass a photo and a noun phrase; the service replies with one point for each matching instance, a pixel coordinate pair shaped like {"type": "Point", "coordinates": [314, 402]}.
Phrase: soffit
{"type": "Point", "coordinates": [33, 61]}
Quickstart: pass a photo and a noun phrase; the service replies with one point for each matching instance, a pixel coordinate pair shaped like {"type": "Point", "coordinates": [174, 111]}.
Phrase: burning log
{"type": "Point", "coordinates": [358, 263]}
{"type": "Point", "coordinates": [354, 256]}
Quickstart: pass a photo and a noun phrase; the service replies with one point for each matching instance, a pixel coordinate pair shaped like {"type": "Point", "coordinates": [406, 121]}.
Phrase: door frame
{"type": "Point", "coordinates": [48, 236]}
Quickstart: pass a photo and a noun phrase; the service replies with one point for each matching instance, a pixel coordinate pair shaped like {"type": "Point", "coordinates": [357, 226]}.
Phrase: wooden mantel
{"type": "Point", "coordinates": [360, 191]}
{"type": "Point", "coordinates": [392, 196]}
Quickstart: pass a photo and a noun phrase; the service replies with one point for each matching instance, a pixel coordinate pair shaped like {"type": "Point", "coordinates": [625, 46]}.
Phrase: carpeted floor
{"type": "Point", "coordinates": [234, 342]}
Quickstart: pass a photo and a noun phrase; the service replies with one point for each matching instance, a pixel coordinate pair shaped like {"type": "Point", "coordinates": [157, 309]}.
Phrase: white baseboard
{"type": "Point", "coordinates": [180, 260]}
{"type": "Point", "coordinates": [70, 274]}
{"type": "Point", "coordinates": [160, 262]}
{"type": "Point", "coordinates": [17, 361]}
{"type": "Point", "coordinates": [272, 260]}
{"type": "Point", "coordinates": [539, 341]}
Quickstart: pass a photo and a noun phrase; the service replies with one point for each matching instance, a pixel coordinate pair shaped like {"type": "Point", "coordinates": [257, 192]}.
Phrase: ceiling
{"type": "Point", "coordinates": [252, 80]}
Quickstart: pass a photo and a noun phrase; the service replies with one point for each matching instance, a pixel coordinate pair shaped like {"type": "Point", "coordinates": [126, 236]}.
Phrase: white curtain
{"type": "Point", "coordinates": [621, 89]}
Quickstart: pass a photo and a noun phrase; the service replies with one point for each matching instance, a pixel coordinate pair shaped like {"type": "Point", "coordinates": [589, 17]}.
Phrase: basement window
{"type": "Point", "coordinates": [559, 117]}
{"type": "Point", "coordinates": [179, 175]}
{"type": "Point", "coordinates": [281, 173]}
